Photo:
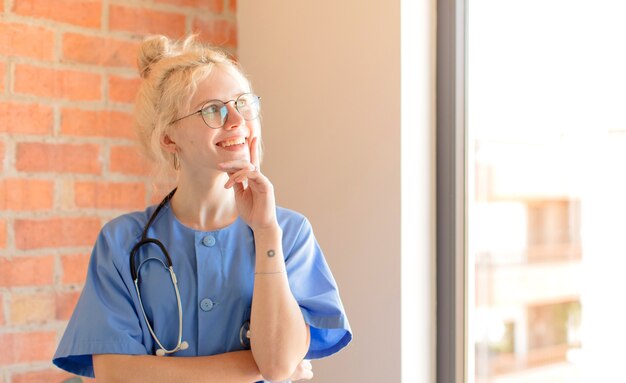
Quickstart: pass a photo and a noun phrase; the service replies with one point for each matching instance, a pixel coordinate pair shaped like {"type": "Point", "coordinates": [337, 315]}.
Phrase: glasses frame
{"type": "Point", "coordinates": [199, 111]}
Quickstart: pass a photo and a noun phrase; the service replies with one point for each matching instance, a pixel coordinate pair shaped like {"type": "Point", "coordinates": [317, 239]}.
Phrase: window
{"type": "Point", "coordinates": [544, 150]}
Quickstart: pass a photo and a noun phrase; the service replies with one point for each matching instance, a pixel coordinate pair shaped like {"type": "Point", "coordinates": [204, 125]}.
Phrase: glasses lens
{"type": "Point", "coordinates": [249, 105]}
{"type": "Point", "coordinates": [214, 114]}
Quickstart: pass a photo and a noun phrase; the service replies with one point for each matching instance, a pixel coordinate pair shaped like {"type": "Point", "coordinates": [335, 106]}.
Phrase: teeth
{"type": "Point", "coordinates": [237, 141]}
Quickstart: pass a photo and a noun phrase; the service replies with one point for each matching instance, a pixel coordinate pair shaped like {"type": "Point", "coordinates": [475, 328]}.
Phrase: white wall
{"type": "Point", "coordinates": [329, 76]}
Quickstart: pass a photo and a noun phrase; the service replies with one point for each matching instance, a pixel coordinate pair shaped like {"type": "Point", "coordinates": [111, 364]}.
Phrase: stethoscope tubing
{"type": "Point", "coordinates": [180, 345]}
{"type": "Point", "coordinates": [244, 331]}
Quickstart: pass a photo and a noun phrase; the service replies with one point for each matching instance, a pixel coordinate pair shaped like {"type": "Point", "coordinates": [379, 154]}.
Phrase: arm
{"type": "Point", "coordinates": [279, 336]}
{"type": "Point", "coordinates": [231, 367]}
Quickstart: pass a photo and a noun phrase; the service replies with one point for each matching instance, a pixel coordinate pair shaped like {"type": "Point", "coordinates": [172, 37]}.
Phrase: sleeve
{"type": "Point", "coordinates": [317, 294]}
{"type": "Point", "coordinates": [105, 320]}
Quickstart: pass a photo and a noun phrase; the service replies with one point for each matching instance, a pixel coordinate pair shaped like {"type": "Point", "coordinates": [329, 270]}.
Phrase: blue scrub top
{"type": "Point", "coordinates": [215, 272]}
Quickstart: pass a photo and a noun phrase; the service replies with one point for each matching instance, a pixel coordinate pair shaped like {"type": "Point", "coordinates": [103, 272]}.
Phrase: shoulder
{"type": "Point", "coordinates": [125, 229]}
{"type": "Point", "coordinates": [296, 227]}
{"type": "Point", "coordinates": [290, 220]}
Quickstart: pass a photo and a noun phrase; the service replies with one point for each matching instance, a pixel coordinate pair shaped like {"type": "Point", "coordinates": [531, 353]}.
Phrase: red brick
{"type": "Point", "coordinates": [216, 31]}
{"type": "Point", "coordinates": [85, 13]}
{"type": "Point", "coordinates": [126, 160]}
{"type": "Point", "coordinates": [65, 304]}
{"type": "Point", "coordinates": [3, 234]}
{"type": "Point", "coordinates": [27, 271]}
{"type": "Point", "coordinates": [24, 347]}
{"type": "Point", "coordinates": [232, 6]}
{"type": "Point", "coordinates": [213, 6]}
{"type": "Point", "coordinates": [105, 123]}
{"type": "Point", "coordinates": [21, 118]}
{"type": "Point", "coordinates": [26, 40]}
{"type": "Point", "coordinates": [56, 83]}
{"type": "Point", "coordinates": [123, 89]}
{"type": "Point", "coordinates": [3, 71]}
{"type": "Point", "coordinates": [74, 268]}
{"type": "Point", "coordinates": [32, 308]}
{"type": "Point", "coordinates": [56, 232]}
{"type": "Point", "coordinates": [106, 195]}
{"type": "Point", "coordinates": [2, 320]}
{"type": "Point", "coordinates": [51, 375]}
{"type": "Point", "coordinates": [99, 50]}
{"type": "Point", "coordinates": [143, 21]}
{"type": "Point", "coordinates": [20, 194]}
{"type": "Point", "coordinates": [58, 158]}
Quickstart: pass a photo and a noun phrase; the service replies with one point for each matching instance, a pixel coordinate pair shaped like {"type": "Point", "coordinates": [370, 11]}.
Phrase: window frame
{"type": "Point", "coordinates": [451, 186]}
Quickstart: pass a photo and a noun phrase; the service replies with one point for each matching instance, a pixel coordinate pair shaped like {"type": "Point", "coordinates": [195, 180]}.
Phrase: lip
{"type": "Point", "coordinates": [231, 138]}
{"type": "Point", "coordinates": [233, 148]}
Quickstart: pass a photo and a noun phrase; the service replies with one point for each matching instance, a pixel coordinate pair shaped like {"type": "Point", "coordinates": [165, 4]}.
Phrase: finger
{"type": "Point", "coordinates": [235, 165]}
{"type": "Point", "coordinates": [254, 152]}
{"type": "Point", "coordinates": [243, 175]}
{"type": "Point", "coordinates": [239, 188]}
{"type": "Point", "coordinates": [235, 177]}
{"type": "Point", "coordinates": [257, 181]}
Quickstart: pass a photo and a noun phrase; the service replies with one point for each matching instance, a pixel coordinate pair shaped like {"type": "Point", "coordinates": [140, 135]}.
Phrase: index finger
{"type": "Point", "coordinates": [254, 152]}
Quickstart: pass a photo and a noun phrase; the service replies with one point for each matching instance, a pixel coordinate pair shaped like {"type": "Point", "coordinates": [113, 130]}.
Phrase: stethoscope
{"type": "Point", "coordinates": [244, 331]}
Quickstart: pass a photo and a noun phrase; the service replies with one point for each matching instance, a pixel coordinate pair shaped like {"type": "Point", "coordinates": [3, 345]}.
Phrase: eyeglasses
{"type": "Point", "coordinates": [215, 113]}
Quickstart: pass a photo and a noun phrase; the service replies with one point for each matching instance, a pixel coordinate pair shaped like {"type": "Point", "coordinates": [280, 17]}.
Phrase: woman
{"type": "Point", "coordinates": [252, 297]}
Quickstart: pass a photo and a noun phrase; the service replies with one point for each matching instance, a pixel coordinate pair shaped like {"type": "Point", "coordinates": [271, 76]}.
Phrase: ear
{"type": "Point", "coordinates": [168, 144]}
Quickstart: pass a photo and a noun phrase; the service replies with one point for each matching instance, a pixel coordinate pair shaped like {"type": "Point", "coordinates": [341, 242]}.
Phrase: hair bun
{"type": "Point", "coordinates": [152, 49]}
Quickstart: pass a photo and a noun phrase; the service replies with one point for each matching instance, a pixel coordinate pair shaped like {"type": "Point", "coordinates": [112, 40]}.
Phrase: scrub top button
{"type": "Point", "coordinates": [206, 304]}
{"type": "Point", "coordinates": [208, 241]}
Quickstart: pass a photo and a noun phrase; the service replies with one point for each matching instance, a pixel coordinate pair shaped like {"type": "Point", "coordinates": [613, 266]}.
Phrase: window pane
{"type": "Point", "coordinates": [547, 196]}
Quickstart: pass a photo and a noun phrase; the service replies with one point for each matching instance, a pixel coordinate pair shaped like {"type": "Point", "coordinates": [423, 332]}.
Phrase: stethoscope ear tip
{"type": "Point", "coordinates": [184, 345]}
{"type": "Point", "coordinates": [160, 352]}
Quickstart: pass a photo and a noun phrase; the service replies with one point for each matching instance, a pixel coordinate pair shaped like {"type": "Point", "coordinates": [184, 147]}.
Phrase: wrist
{"type": "Point", "coordinates": [270, 231]}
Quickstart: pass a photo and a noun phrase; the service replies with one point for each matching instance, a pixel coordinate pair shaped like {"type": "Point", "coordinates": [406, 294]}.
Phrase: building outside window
{"type": "Point", "coordinates": [546, 142]}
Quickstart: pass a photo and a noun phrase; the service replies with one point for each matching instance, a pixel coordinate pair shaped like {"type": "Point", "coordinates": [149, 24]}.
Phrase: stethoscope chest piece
{"type": "Point", "coordinates": [244, 334]}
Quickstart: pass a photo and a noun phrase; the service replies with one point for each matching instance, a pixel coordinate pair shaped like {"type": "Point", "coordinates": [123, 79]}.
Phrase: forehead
{"type": "Point", "coordinates": [223, 83]}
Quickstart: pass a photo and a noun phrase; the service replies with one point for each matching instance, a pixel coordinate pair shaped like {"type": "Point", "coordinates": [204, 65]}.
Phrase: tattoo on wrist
{"type": "Point", "coordinates": [271, 253]}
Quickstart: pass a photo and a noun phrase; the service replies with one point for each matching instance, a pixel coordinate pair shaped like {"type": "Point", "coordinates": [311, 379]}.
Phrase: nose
{"type": "Point", "coordinates": [234, 118]}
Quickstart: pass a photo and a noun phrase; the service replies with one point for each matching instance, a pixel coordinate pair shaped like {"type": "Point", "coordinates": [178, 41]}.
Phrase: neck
{"type": "Point", "coordinates": [202, 203]}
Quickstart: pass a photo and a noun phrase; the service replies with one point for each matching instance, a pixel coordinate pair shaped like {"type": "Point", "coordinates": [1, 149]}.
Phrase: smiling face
{"type": "Point", "coordinates": [201, 148]}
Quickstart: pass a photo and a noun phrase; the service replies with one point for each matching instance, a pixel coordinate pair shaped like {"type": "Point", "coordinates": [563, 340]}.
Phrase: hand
{"type": "Point", "coordinates": [255, 203]}
{"type": "Point", "coordinates": [304, 371]}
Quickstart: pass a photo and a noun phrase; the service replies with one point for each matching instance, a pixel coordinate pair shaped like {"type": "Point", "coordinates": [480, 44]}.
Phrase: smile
{"type": "Point", "coordinates": [232, 142]}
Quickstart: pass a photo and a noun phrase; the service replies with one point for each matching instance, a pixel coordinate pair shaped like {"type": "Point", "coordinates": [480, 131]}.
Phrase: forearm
{"type": "Point", "coordinates": [279, 335]}
{"type": "Point", "coordinates": [231, 367]}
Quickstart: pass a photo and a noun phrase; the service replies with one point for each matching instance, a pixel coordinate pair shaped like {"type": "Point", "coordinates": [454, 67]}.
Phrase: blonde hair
{"type": "Point", "coordinates": [171, 71]}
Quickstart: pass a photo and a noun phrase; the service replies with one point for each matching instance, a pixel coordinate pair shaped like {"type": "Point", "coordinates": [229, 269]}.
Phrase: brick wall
{"type": "Point", "coordinates": [67, 157]}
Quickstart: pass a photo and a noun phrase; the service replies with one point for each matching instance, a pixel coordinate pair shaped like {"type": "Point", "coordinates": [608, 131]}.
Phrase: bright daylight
{"type": "Point", "coordinates": [547, 132]}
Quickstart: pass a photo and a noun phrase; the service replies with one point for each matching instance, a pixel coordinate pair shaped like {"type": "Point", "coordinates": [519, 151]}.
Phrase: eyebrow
{"type": "Point", "coordinates": [216, 99]}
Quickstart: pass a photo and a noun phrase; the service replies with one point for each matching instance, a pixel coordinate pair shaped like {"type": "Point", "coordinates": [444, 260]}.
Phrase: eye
{"type": "Point", "coordinates": [211, 108]}
{"type": "Point", "coordinates": [246, 101]}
